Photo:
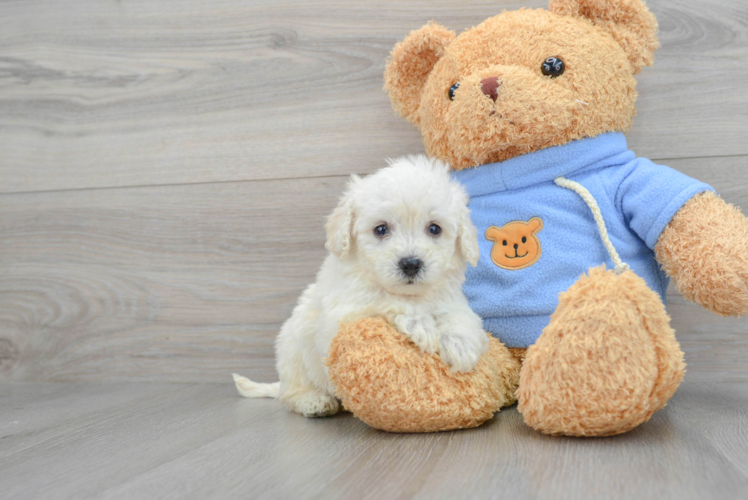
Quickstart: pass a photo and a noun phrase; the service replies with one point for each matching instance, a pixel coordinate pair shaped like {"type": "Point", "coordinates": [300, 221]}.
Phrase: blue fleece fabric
{"type": "Point", "coordinates": [637, 199]}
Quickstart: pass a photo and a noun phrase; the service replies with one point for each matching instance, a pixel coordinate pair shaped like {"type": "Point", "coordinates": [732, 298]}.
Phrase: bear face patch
{"type": "Point", "coordinates": [516, 245]}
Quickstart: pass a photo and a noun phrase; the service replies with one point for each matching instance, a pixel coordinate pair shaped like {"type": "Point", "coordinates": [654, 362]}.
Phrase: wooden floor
{"type": "Point", "coordinates": [165, 170]}
{"type": "Point", "coordinates": [136, 441]}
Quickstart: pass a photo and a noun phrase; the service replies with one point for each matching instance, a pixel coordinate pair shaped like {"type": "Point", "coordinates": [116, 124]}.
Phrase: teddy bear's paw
{"type": "Point", "coordinates": [316, 404]}
{"type": "Point", "coordinates": [703, 250]}
{"type": "Point", "coordinates": [724, 287]}
{"type": "Point", "coordinates": [606, 362]}
{"type": "Point", "coordinates": [421, 330]}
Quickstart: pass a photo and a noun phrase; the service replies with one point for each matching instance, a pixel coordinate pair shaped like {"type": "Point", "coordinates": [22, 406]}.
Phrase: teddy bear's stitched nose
{"type": "Point", "coordinates": [490, 87]}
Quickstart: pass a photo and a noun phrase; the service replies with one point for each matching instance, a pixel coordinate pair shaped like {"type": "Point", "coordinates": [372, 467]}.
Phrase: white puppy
{"type": "Point", "coordinates": [399, 244]}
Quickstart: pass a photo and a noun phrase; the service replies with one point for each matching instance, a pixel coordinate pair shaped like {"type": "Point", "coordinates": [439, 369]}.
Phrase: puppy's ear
{"type": "Point", "coordinates": [467, 239]}
{"type": "Point", "coordinates": [409, 66]}
{"type": "Point", "coordinates": [630, 23]}
{"type": "Point", "coordinates": [339, 225]}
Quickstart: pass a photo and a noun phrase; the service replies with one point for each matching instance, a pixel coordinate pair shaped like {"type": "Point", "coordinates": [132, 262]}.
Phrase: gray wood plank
{"type": "Point", "coordinates": [190, 283]}
{"type": "Point", "coordinates": [128, 437]}
{"type": "Point", "coordinates": [33, 413]}
{"type": "Point", "coordinates": [711, 343]}
{"type": "Point", "coordinates": [204, 441]}
{"type": "Point", "coordinates": [726, 429]}
{"type": "Point", "coordinates": [667, 458]}
{"type": "Point", "coordinates": [100, 94]}
{"type": "Point", "coordinates": [186, 282]}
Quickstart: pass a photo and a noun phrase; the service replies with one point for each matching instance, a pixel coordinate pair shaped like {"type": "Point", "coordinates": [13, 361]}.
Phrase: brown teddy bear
{"type": "Point", "coordinates": [580, 236]}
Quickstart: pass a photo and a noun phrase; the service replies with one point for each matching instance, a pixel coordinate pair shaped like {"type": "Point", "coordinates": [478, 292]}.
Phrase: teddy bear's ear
{"type": "Point", "coordinates": [630, 23]}
{"type": "Point", "coordinates": [409, 66]}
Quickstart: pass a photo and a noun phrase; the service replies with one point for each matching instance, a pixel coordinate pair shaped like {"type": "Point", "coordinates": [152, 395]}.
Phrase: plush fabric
{"type": "Point", "coordinates": [387, 382]}
{"type": "Point", "coordinates": [705, 248]}
{"type": "Point", "coordinates": [607, 361]}
{"type": "Point", "coordinates": [629, 22]}
{"type": "Point", "coordinates": [412, 65]}
{"type": "Point", "coordinates": [596, 93]}
{"type": "Point", "coordinates": [636, 197]}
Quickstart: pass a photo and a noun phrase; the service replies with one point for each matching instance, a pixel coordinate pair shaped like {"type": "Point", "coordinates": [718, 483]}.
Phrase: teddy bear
{"type": "Point", "coordinates": [580, 237]}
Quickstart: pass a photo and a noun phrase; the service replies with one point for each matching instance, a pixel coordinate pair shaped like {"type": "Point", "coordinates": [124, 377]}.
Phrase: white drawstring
{"type": "Point", "coordinates": [620, 266]}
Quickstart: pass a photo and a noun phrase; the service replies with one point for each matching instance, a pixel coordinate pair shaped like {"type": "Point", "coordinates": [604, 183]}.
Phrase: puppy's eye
{"type": "Point", "coordinates": [553, 67]}
{"type": "Point", "coordinates": [524, 239]}
{"type": "Point", "coordinates": [503, 242]}
{"type": "Point", "coordinates": [382, 230]}
{"type": "Point", "coordinates": [452, 90]}
{"type": "Point", "coordinates": [435, 230]}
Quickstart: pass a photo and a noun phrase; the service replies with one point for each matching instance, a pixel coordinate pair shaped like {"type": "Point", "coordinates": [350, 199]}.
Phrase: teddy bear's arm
{"type": "Point", "coordinates": [704, 249]}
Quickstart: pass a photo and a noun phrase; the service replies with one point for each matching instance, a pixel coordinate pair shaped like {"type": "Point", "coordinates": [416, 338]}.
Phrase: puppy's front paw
{"type": "Point", "coordinates": [461, 351]}
{"type": "Point", "coordinates": [421, 330]}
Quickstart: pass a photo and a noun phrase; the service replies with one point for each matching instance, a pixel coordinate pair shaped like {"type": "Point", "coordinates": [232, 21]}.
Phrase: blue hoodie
{"type": "Point", "coordinates": [637, 199]}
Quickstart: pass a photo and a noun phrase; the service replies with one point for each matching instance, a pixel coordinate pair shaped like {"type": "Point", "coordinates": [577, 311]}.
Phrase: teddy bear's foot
{"type": "Point", "coordinates": [606, 362]}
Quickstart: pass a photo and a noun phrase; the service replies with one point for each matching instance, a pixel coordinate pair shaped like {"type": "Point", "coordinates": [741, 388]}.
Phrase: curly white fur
{"type": "Point", "coordinates": [362, 277]}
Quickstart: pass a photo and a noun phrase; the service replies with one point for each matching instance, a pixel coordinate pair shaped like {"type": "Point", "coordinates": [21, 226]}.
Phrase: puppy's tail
{"type": "Point", "coordinates": [250, 389]}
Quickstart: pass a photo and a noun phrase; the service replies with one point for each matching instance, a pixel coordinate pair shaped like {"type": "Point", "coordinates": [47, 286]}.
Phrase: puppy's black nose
{"type": "Point", "coordinates": [410, 266]}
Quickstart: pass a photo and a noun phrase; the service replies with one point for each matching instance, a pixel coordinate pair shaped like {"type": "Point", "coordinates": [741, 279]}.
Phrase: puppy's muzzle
{"type": "Point", "coordinates": [410, 266]}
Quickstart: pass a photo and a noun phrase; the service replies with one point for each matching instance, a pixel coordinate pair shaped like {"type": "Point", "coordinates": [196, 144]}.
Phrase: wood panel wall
{"type": "Point", "coordinates": [166, 167]}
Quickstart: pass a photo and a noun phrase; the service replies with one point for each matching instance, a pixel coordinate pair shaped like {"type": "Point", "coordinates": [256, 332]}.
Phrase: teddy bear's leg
{"type": "Point", "coordinates": [387, 381]}
{"type": "Point", "coordinates": [606, 362]}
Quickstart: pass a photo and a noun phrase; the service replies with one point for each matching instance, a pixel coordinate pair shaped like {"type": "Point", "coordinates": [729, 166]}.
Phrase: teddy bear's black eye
{"type": "Point", "coordinates": [553, 67]}
{"type": "Point", "coordinates": [524, 239]}
{"type": "Point", "coordinates": [503, 242]}
{"type": "Point", "coordinates": [435, 230]}
{"type": "Point", "coordinates": [452, 91]}
{"type": "Point", "coordinates": [381, 230]}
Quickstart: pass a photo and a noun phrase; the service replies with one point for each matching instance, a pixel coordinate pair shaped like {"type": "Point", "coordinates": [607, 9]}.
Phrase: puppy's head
{"type": "Point", "coordinates": [407, 226]}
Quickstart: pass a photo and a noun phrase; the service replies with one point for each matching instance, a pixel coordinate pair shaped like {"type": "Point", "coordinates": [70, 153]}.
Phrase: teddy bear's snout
{"type": "Point", "coordinates": [490, 87]}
